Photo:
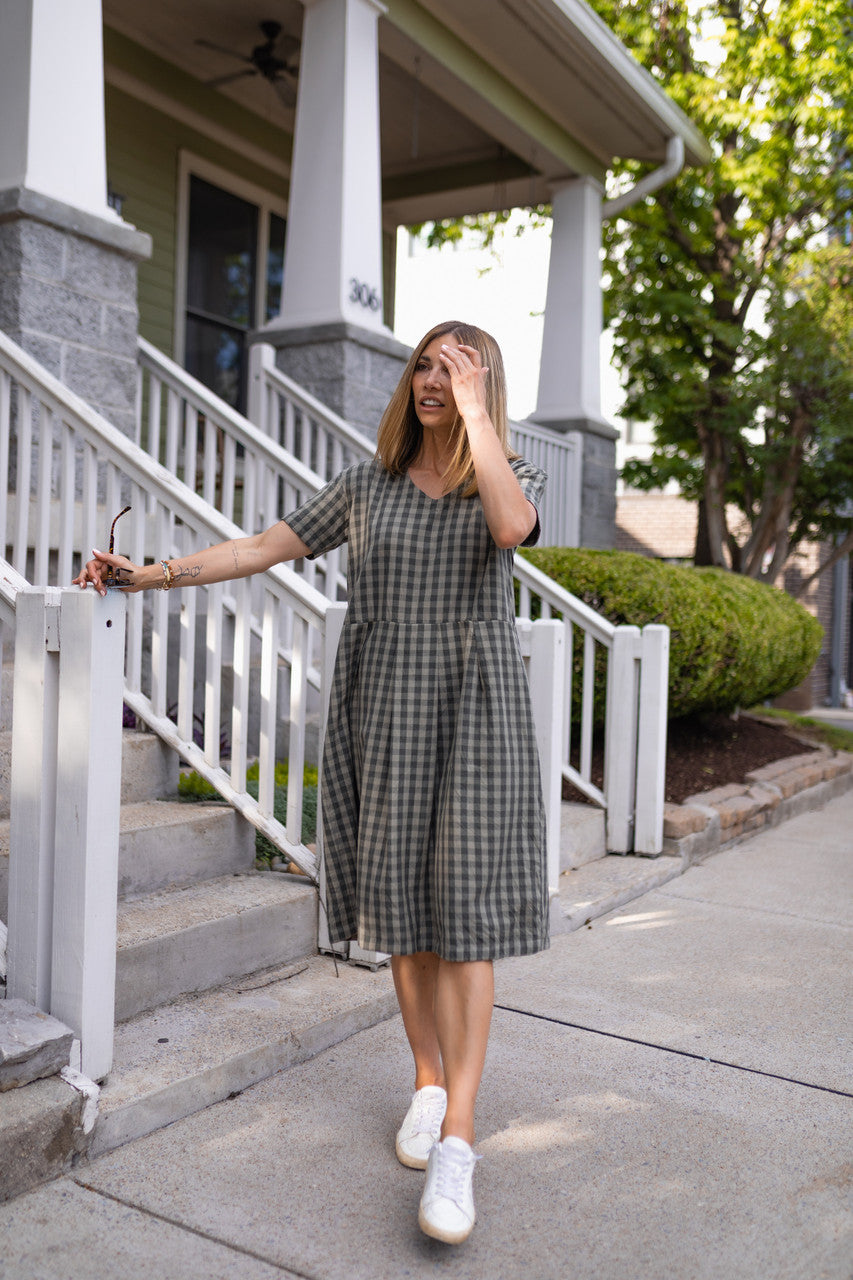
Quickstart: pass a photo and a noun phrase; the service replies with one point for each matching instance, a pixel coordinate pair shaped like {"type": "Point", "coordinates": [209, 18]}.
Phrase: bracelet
{"type": "Point", "coordinates": [167, 575]}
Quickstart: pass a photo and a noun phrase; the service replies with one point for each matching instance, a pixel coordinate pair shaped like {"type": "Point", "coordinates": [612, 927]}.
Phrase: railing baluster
{"type": "Point", "coordinates": [587, 705]}
{"type": "Point", "coordinates": [24, 434]}
{"type": "Point", "coordinates": [186, 656]}
{"type": "Point", "coordinates": [240, 707]}
{"type": "Point", "coordinates": [5, 432]}
{"type": "Point", "coordinates": [269, 708]}
{"type": "Point", "coordinates": [160, 623]}
{"type": "Point", "coordinates": [43, 494]}
{"type": "Point", "coordinates": [296, 741]}
{"type": "Point", "coordinates": [213, 674]}
{"type": "Point", "coordinates": [229, 466]}
{"type": "Point", "coordinates": [66, 504]}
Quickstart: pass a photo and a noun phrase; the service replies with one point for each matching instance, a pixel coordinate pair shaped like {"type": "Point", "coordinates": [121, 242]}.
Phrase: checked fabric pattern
{"type": "Point", "coordinates": [433, 820]}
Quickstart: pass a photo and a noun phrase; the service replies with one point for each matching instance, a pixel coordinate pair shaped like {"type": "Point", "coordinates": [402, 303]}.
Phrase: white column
{"type": "Point", "coordinates": [52, 101]}
{"type": "Point", "coordinates": [569, 375]}
{"type": "Point", "coordinates": [333, 254]}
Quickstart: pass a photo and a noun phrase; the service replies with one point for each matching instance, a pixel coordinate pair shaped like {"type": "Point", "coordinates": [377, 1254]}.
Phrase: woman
{"type": "Point", "coordinates": [434, 832]}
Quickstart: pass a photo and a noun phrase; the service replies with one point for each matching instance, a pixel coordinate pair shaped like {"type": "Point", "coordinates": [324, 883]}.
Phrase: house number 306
{"type": "Point", "coordinates": [364, 295]}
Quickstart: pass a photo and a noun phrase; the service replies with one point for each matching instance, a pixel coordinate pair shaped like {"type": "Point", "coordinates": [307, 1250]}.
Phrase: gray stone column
{"type": "Point", "coordinates": [68, 297]}
{"type": "Point", "coordinates": [350, 369]}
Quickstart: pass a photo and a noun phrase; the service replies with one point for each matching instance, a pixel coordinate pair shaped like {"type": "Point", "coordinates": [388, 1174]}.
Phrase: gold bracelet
{"type": "Point", "coordinates": [167, 575]}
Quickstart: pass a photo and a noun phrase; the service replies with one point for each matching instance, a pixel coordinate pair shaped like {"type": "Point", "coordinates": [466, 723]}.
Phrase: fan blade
{"type": "Point", "coordinates": [235, 75]}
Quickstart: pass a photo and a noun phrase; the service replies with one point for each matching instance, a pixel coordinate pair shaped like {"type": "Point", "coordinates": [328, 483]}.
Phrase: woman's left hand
{"type": "Point", "coordinates": [467, 380]}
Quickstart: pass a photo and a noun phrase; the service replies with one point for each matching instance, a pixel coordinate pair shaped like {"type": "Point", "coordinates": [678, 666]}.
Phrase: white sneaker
{"type": "Point", "coordinates": [421, 1128]}
{"type": "Point", "coordinates": [447, 1204]}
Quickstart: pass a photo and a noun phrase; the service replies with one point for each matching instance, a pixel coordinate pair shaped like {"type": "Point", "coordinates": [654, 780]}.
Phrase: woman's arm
{"type": "Point", "coordinates": [509, 515]}
{"type": "Point", "coordinates": [239, 558]}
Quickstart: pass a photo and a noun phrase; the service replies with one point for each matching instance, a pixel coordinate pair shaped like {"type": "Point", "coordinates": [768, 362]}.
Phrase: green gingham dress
{"type": "Point", "coordinates": [433, 823]}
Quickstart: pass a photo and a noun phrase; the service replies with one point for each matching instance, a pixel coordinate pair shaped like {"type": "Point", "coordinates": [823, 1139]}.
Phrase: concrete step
{"type": "Point", "coordinates": [593, 890]}
{"type": "Point", "coordinates": [33, 1045]}
{"type": "Point", "coordinates": [582, 835]}
{"type": "Point", "coordinates": [171, 842]}
{"type": "Point", "coordinates": [198, 1050]}
{"type": "Point", "coordinates": [149, 769]}
{"type": "Point", "coordinates": [165, 843]}
{"type": "Point", "coordinates": [189, 939]}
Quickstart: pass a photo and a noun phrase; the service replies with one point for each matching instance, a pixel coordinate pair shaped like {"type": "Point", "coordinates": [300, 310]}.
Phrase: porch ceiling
{"type": "Point", "coordinates": [482, 105]}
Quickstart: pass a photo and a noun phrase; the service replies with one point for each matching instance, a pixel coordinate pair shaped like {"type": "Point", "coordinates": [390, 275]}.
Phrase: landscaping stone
{"type": "Point", "coordinates": [32, 1044]}
{"type": "Point", "coordinates": [716, 819]}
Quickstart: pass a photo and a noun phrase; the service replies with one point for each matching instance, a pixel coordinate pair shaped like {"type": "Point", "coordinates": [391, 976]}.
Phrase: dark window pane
{"type": "Point", "coordinates": [221, 263]}
{"type": "Point", "coordinates": [216, 356]}
{"type": "Point", "coordinates": [275, 265]}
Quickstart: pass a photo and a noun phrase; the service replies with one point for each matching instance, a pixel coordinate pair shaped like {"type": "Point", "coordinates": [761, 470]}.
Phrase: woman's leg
{"type": "Point", "coordinates": [415, 981]}
{"type": "Point", "coordinates": [464, 995]}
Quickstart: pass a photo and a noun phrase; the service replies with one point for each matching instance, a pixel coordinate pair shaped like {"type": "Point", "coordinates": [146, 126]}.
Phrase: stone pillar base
{"type": "Point", "coordinates": [598, 479]}
{"type": "Point", "coordinates": [352, 370]}
{"type": "Point", "coordinates": [68, 297]}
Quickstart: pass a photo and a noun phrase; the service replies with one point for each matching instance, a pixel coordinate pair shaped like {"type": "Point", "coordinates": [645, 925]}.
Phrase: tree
{"type": "Point", "coordinates": [729, 292]}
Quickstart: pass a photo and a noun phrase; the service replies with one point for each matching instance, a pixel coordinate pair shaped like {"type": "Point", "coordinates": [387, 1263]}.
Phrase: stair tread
{"type": "Point", "coordinates": [197, 1049]}
{"type": "Point", "coordinates": [142, 814]}
{"type": "Point", "coordinates": [168, 911]}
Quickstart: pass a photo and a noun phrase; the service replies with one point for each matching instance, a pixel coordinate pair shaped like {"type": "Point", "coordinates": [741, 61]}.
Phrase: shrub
{"type": "Point", "coordinates": [733, 641]}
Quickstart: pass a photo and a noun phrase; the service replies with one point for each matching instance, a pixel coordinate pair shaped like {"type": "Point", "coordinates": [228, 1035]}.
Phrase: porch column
{"type": "Point", "coordinates": [330, 335]}
{"type": "Point", "coordinates": [67, 261]}
{"type": "Point", "coordinates": [569, 396]}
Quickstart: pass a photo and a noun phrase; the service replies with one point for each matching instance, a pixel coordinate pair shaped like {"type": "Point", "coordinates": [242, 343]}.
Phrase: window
{"type": "Point", "coordinates": [234, 262]}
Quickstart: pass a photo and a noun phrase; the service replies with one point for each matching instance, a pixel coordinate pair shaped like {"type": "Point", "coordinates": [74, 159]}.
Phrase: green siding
{"type": "Point", "coordinates": [142, 164]}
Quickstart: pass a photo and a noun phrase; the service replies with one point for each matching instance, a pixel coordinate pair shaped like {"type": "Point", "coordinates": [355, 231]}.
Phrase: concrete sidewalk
{"type": "Point", "coordinates": [669, 1093]}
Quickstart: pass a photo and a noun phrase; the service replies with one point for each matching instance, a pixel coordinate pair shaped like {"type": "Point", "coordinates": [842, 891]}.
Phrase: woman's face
{"type": "Point", "coordinates": [435, 405]}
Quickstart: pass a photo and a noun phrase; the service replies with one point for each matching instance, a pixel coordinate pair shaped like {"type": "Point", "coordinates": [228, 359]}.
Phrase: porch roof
{"type": "Point", "coordinates": [483, 105]}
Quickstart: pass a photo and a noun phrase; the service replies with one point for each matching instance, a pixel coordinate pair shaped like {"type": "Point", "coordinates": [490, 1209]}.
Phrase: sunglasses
{"type": "Point", "coordinates": [110, 577]}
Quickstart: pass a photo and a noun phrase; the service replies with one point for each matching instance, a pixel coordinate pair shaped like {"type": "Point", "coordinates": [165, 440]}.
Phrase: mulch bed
{"type": "Point", "coordinates": [711, 750]}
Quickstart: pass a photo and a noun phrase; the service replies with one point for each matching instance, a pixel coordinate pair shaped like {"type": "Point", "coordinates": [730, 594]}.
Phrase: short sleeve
{"type": "Point", "coordinates": [323, 521]}
{"type": "Point", "coordinates": [532, 481]}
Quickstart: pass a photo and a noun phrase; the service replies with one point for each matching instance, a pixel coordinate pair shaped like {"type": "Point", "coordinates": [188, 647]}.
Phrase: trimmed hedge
{"type": "Point", "coordinates": [733, 641]}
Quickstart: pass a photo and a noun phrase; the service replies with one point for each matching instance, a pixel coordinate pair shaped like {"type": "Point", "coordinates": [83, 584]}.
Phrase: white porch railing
{"type": "Point", "coordinates": [635, 715]}
{"type": "Point", "coordinates": [66, 475]}
{"type": "Point", "coordinates": [561, 458]}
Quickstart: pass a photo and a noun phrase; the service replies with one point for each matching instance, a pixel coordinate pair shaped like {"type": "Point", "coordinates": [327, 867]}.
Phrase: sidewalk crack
{"type": "Point", "coordinates": [681, 1053]}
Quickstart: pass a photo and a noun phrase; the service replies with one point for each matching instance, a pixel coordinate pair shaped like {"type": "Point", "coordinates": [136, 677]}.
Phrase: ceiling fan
{"type": "Point", "coordinates": [274, 60]}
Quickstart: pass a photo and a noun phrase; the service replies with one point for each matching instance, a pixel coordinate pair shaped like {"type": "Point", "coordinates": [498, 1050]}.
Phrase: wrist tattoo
{"type": "Point", "coordinates": [191, 571]}
{"type": "Point", "coordinates": [236, 557]}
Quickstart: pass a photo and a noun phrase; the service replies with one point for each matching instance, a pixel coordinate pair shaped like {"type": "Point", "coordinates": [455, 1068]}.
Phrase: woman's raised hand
{"type": "Point", "coordinates": [467, 379]}
{"type": "Point", "coordinates": [96, 572]}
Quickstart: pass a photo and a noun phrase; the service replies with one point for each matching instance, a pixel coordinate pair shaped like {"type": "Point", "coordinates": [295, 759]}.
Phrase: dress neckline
{"type": "Point", "coordinates": [429, 496]}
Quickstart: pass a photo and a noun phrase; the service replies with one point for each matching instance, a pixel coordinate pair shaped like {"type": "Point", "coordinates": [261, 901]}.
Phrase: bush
{"type": "Point", "coordinates": [733, 641]}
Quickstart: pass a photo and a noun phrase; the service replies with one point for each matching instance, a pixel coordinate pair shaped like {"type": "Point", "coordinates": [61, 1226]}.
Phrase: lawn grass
{"type": "Point", "coordinates": [828, 735]}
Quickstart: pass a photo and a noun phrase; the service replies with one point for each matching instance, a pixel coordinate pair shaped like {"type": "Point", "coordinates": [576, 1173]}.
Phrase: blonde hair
{"type": "Point", "coordinates": [401, 434]}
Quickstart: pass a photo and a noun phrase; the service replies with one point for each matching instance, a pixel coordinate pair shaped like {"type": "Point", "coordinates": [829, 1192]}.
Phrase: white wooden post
{"type": "Point", "coordinates": [546, 676]}
{"type": "Point", "coordinates": [88, 796]}
{"type": "Point", "coordinates": [33, 795]}
{"type": "Point", "coordinates": [261, 358]}
{"type": "Point", "coordinates": [620, 751]}
{"type": "Point", "coordinates": [651, 739]}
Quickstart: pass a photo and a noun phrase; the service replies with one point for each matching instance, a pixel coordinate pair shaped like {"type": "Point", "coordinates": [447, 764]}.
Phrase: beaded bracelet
{"type": "Point", "coordinates": [167, 575]}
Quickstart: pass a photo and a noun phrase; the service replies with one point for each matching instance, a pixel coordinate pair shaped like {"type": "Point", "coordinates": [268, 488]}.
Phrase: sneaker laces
{"type": "Point", "coordinates": [453, 1171]}
{"type": "Point", "coordinates": [429, 1113]}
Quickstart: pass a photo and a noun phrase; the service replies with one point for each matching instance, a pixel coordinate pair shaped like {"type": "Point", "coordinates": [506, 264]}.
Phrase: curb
{"type": "Point", "coordinates": [707, 823]}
